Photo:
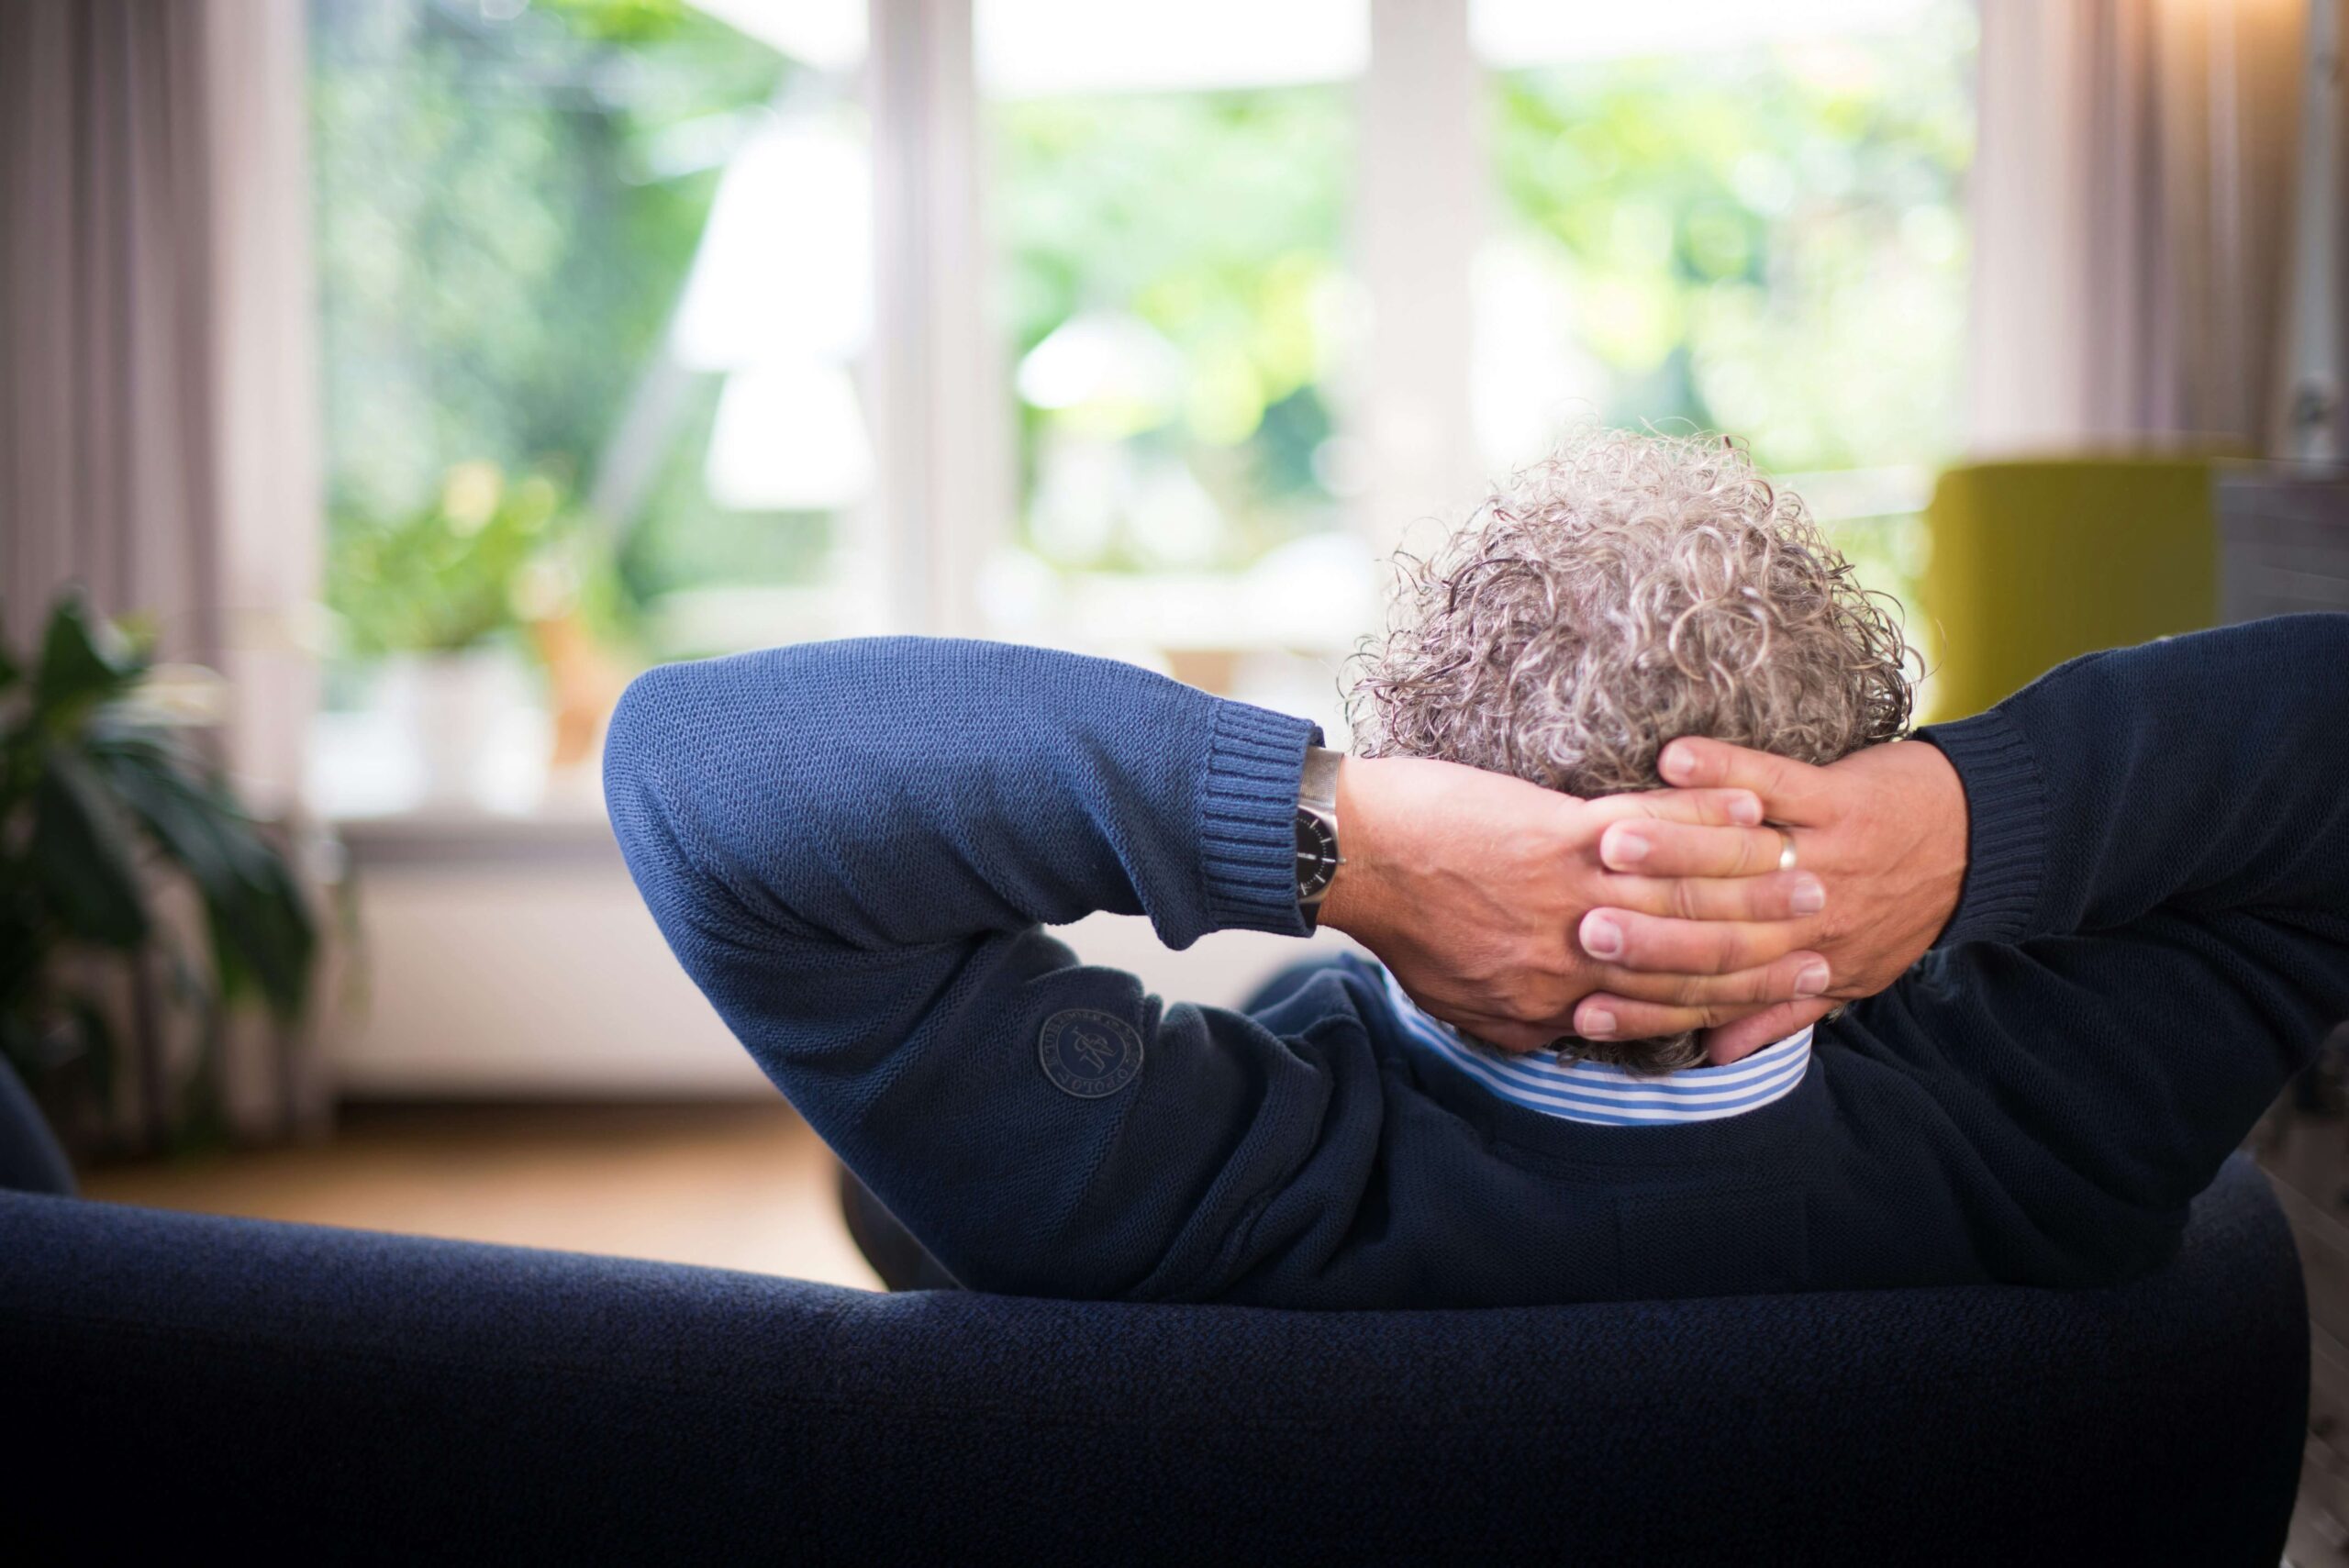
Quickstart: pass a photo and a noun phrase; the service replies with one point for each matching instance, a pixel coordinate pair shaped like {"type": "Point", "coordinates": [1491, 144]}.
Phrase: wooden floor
{"type": "Point", "coordinates": [736, 1186]}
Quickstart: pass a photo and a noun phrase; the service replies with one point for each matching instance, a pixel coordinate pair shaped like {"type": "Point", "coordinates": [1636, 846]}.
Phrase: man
{"type": "Point", "coordinates": [2130, 879]}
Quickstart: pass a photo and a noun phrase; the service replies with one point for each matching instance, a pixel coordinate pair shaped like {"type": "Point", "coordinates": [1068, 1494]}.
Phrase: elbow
{"type": "Point", "coordinates": [642, 745]}
{"type": "Point", "coordinates": [632, 737]}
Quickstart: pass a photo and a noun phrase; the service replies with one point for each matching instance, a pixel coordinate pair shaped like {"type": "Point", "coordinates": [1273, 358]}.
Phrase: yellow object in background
{"type": "Point", "coordinates": [2034, 562]}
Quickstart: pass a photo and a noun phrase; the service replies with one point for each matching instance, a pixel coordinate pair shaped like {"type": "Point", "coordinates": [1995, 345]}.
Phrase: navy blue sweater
{"type": "Point", "coordinates": [854, 849]}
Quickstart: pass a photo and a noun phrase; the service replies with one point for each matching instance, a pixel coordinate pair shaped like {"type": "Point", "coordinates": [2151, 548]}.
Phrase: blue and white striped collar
{"type": "Point", "coordinates": [1608, 1096]}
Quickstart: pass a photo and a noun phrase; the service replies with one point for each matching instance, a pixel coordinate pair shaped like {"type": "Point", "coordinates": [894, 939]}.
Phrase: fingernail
{"type": "Point", "coordinates": [1811, 981]}
{"type": "Point", "coordinates": [1745, 811]}
{"type": "Point", "coordinates": [1595, 1023]}
{"type": "Point", "coordinates": [1627, 845]}
{"type": "Point", "coordinates": [1601, 936]}
{"type": "Point", "coordinates": [1809, 896]}
{"type": "Point", "coordinates": [1676, 763]}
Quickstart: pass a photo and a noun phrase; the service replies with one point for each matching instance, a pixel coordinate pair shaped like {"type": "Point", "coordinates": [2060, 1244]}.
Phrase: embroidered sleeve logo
{"type": "Point", "coordinates": [1088, 1053]}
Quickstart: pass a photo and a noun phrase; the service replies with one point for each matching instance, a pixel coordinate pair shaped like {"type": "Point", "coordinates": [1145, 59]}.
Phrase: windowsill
{"type": "Point", "coordinates": [561, 833]}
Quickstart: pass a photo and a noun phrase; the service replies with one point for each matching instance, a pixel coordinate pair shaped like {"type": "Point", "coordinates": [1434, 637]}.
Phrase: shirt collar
{"type": "Point", "coordinates": [1604, 1095]}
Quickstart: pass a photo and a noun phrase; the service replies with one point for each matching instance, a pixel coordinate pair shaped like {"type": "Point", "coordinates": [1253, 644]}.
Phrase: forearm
{"type": "Point", "coordinates": [2200, 773]}
{"type": "Point", "coordinates": [894, 792]}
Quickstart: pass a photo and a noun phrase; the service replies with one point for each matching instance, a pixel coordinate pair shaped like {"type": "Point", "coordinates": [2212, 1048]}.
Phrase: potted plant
{"type": "Point", "coordinates": [100, 805]}
{"type": "Point", "coordinates": [433, 597]}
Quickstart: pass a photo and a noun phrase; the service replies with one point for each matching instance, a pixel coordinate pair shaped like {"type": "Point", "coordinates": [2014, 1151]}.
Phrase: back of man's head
{"type": "Point", "coordinates": [1630, 589]}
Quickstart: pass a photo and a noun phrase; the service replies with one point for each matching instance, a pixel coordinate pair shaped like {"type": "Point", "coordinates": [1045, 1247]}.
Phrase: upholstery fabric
{"type": "Point", "coordinates": [2036, 563]}
{"type": "Point", "coordinates": [351, 1396]}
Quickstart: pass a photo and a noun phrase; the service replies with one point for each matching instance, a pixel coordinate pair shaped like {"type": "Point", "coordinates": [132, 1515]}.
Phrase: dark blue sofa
{"type": "Point", "coordinates": [179, 1381]}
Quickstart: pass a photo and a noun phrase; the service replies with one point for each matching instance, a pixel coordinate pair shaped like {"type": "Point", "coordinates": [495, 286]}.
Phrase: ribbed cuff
{"type": "Point", "coordinates": [2006, 810]}
{"type": "Point", "coordinates": [1248, 820]}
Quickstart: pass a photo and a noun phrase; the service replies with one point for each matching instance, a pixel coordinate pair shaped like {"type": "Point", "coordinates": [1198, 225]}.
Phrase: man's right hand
{"type": "Point", "coordinates": [1885, 828]}
{"type": "Point", "coordinates": [1472, 888]}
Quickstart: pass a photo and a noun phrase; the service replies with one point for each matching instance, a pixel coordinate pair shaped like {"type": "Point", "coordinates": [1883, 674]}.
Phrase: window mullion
{"type": "Point", "coordinates": [937, 385]}
{"type": "Point", "coordinates": [1422, 215]}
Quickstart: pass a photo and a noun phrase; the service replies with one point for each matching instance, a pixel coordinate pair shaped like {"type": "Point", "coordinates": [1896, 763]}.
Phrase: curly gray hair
{"type": "Point", "coordinates": [1629, 589]}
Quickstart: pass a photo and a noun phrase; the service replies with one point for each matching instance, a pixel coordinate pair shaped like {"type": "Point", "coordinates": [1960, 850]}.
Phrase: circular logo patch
{"type": "Point", "coordinates": [1089, 1055]}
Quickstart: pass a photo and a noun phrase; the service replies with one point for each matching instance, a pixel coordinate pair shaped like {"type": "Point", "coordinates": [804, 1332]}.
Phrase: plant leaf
{"type": "Point", "coordinates": [260, 927]}
{"type": "Point", "coordinates": [21, 948]}
{"type": "Point", "coordinates": [100, 1051]}
{"type": "Point", "coordinates": [20, 1046]}
{"type": "Point", "coordinates": [80, 855]}
{"type": "Point", "coordinates": [83, 664]}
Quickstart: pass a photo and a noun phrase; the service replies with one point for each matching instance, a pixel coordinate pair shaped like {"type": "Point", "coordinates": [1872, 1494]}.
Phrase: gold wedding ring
{"type": "Point", "coordinates": [1785, 850]}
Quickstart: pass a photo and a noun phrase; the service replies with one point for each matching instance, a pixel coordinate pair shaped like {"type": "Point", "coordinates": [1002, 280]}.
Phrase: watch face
{"type": "Point", "coordinates": [1316, 855]}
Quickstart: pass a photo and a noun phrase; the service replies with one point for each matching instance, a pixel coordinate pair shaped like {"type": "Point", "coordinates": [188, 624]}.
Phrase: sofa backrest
{"type": "Point", "coordinates": [358, 1397]}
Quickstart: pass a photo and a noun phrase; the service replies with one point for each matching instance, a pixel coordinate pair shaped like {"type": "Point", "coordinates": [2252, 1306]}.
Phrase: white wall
{"type": "Point", "coordinates": [540, 974]}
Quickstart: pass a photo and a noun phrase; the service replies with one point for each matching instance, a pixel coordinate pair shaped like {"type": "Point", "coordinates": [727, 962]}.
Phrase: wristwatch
{"type": "Point", "coordinates": [1317, 827]}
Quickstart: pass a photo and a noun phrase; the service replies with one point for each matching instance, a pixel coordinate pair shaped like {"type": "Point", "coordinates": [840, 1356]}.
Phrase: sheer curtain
{"type": "Point", "coordinates": [156, 394]}
{"type": "Point", "coordinates": [109, 476]}
{"type": "Point", "coordinates": [2132, 221]}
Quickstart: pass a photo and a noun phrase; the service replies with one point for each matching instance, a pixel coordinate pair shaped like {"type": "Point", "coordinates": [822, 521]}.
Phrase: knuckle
{"type": "Point", "coordinates": [1632, 983]}
{"type": "Point", "coordinates": [1744, 854]}
{"type": "Point", "coordinates": [1528, 1002]}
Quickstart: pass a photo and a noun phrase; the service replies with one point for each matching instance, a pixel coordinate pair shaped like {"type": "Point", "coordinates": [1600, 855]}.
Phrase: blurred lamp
{"type": "Point", "coordinates": [1103, 357]}
{"type": "Point", "coordinates": [789, 437]}
{"type": "Point", "coordinates": [784, 268]}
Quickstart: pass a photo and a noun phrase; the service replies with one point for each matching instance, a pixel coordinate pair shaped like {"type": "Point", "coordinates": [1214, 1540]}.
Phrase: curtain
{"type": "Point", "coordinates": [158, 395]}
{"type": "Point", "coordinates": [106, 458]}
{"type": "Point", "coordinates": [2132, 221]}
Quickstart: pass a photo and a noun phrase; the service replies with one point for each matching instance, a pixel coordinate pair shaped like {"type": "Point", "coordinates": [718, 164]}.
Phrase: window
{"type": "Point", "coordinates": [595, 290]}
{"type": "Point", "coordinates": [1745, 218]}
{"type": "Point", "coordinates": [1171, 196]}
{"type": "Point", "coordinates": [659, 327]}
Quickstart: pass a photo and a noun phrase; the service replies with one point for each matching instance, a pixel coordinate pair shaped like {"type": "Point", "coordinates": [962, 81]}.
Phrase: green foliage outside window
{"type": "Point", "coordinates": [1770, 242]}
{"type": "Point", "coordinates": [1767, 242]}
{"type": "Point", "coordinates": [1218, 220]}
{"type": "Point", "coordinates": [506, 214]}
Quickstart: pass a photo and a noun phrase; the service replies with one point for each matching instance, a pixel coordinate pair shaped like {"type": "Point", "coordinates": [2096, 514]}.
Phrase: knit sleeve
{"type": "Point", "coordinates": [854, 849]}
{"type": "Point", "coordinates": [2006, 811]}
{"type": "Point", "coordinates": [2197, 773]}
{"type": "Point", "coordinates": [2153, 940]}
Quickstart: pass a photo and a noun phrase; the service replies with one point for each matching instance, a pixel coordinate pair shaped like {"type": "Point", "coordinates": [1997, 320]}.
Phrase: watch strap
{"type": "Point", "coordinates": [1318, 786]}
